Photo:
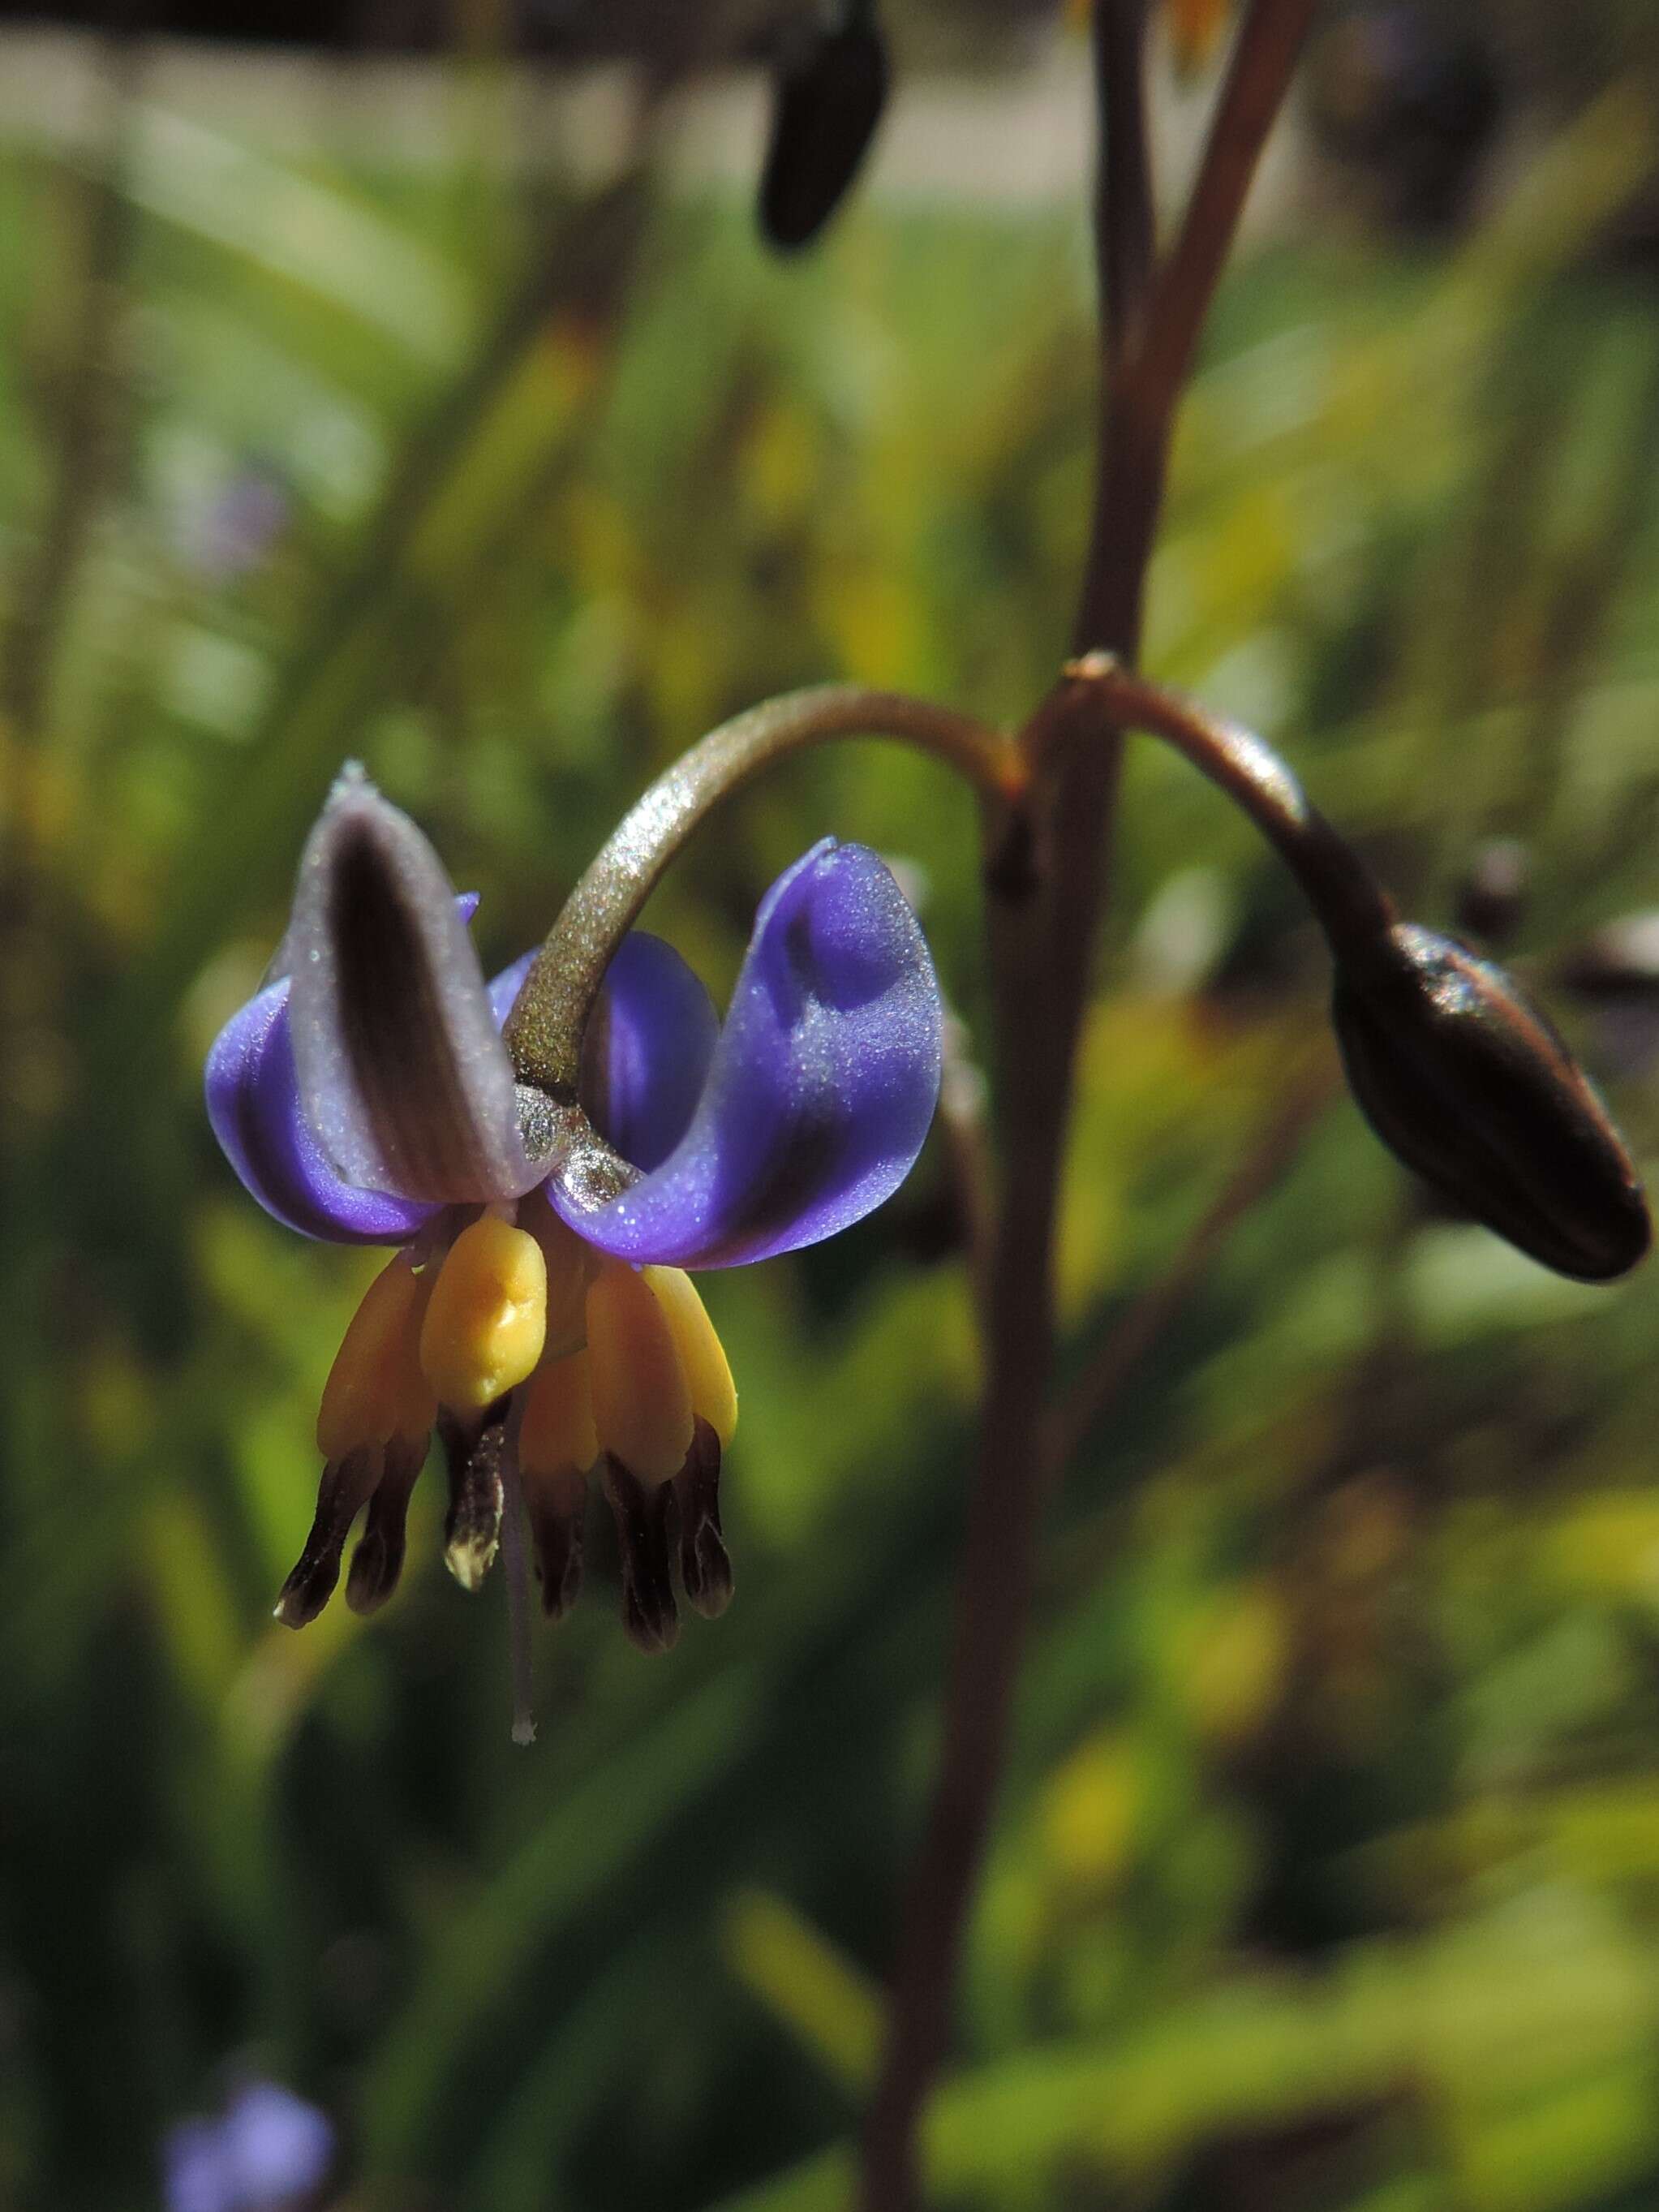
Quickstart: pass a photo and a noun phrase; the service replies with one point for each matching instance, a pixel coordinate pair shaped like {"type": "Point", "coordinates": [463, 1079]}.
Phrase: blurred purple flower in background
{"type": "Point", "coordinates": [268, 2150]}
{"type": "Point", "coordinates": [230, 531]}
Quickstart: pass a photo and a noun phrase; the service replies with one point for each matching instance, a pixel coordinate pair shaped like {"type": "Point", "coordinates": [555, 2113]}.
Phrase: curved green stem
{"type": "Point", "coordinates": [1349, 901]}
{"type": "Point", "coordinates": [545, 1030]}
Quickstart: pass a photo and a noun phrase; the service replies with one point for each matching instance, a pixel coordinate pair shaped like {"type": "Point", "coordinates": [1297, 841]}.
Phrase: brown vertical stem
{"type": "Point", "coordinates": [1040, 948]}
{"type": "Point", "coordinates": [82, 405]}
{"type": "Point", "coordinates": [1124, 212]}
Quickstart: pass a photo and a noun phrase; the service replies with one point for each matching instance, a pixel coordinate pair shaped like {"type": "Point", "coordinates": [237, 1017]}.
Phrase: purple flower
{"type": "Point", "coordinates": [268, 2150]}
{"type": "Point", "coordinates": [365, 1095]}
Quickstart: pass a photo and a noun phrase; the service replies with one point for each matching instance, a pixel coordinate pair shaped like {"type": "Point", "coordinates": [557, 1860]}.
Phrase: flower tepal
{"type": "Point", "coordinates": [365, 1095]}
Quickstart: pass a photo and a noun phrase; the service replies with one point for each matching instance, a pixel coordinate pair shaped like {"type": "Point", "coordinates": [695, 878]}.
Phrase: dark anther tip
{"type": "Point", "coordinates": [473, 1529]}
{"type": "Point", "coordinates": [649, 1615]}
{"type": "Point", "coordinates": [378, 1561]}
{"type": "Point", "coordinates": [376, 1565]}
{"type": "Point", "coordinates": [705, 1563]}
{"type": "Point", "coordinates": [308, 1589]}
{"type": "Point", "coordinates": [345, 1484]}
{"type": "Point", "coordinates": [558, 1526]}
{"type": "Point", "coordinates": [1468, 1084]}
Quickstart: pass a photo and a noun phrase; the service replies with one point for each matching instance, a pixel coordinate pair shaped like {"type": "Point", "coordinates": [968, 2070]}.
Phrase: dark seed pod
{"type": "Point", "coordinates": [1470, 1085]}
{"type": "Point", "coordinates": [826, 107]}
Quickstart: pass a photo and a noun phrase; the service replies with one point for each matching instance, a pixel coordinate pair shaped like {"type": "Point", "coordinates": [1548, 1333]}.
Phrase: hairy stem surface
{"type": "Point", "coordinates": [544, 1031]}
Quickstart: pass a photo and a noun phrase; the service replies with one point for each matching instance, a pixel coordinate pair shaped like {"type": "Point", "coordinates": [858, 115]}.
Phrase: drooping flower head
{"type": "Point", "coordinates": [544, 1329]}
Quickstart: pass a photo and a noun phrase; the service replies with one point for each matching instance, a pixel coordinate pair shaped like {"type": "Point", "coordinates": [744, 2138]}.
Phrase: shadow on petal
{"type": "Point", "coordinates": [404, 1075]}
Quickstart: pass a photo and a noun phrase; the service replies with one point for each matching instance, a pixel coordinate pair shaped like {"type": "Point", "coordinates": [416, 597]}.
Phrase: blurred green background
{"type": "Point", "coordinates": [1327, 1871]}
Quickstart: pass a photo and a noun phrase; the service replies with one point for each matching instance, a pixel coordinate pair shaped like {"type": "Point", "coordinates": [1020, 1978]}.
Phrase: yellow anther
{"type": "Point", "coordinates": [703, 1356]}
{"type": "Point", "coordinates": [570, 1266]}
{"type": "Point", "coordinates": [486, 1320]}
{"type": "Point", "coordinates": [376, 1389]}
{"type": "Point", "coordinates": [641, 1400]}
{"type": "Point", "coordinates": [556, 1434]}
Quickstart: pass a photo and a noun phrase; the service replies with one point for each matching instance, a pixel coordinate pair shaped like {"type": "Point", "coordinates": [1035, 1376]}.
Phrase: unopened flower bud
{"type": "Point", "coordinates": [1470, 1085]}
{"type": "Point", "coordinates": [826, 107]}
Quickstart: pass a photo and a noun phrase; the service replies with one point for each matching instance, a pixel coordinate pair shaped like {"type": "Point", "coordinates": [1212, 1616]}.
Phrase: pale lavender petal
{"type": "Point", "coordinates": [647, 1050]}
{"type": "Point", "coordinates": [253, 1104]}
{"type": "Point", "coordinates": [822, 1086]}
{"type": "Point", "coordinates": [278, 2148]}
{"type": "Point", "coordinates": [506, 987]}
{"type": "Point", "coordinates": [405, 1077]}
{"type": "Point", "coordinates": [195, 2174]}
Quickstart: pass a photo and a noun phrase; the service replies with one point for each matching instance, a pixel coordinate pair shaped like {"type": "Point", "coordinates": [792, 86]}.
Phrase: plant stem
{"type": "Point", "coordinates": [543, 1032]}
{"type": "Point", "coordinates": [1124, 213]}
{"type": "Point", "coordinates": [1041, 945]}
{"type": "Point", "coordinates": [1345, 896]}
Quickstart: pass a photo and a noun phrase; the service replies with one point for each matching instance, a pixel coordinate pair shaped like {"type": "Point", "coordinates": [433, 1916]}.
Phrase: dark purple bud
{"type": "Point", "coordinates": [1470, 1085]}
{"type": "Point", "coordinates": [826, 105]}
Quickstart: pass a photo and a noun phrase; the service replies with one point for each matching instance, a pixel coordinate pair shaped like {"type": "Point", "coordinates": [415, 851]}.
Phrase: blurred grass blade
{"type": "Point", "coordinates": [1493, 2012]}
{"type": "Point", "coordinates": [596, 1835]}
{"type": "Point", "coordinates": [324, 238]}
{"type": "Point", "coordinates": [807, 1983]}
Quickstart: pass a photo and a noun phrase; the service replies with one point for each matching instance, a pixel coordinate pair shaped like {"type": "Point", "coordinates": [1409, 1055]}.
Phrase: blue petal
{"type": "Point", "coordinates": [820, 1088]}
{"type": "Point", "coordinates": [278, 2148]}
{"type": "Point", "coordinates": [506, 987]}
{"type": "Point", "coordinates": [253, 1104]}
{"type": "Point", "coordinates": [647, 1050]}
{"type": "Point", "coordinates": [195, 2175]}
